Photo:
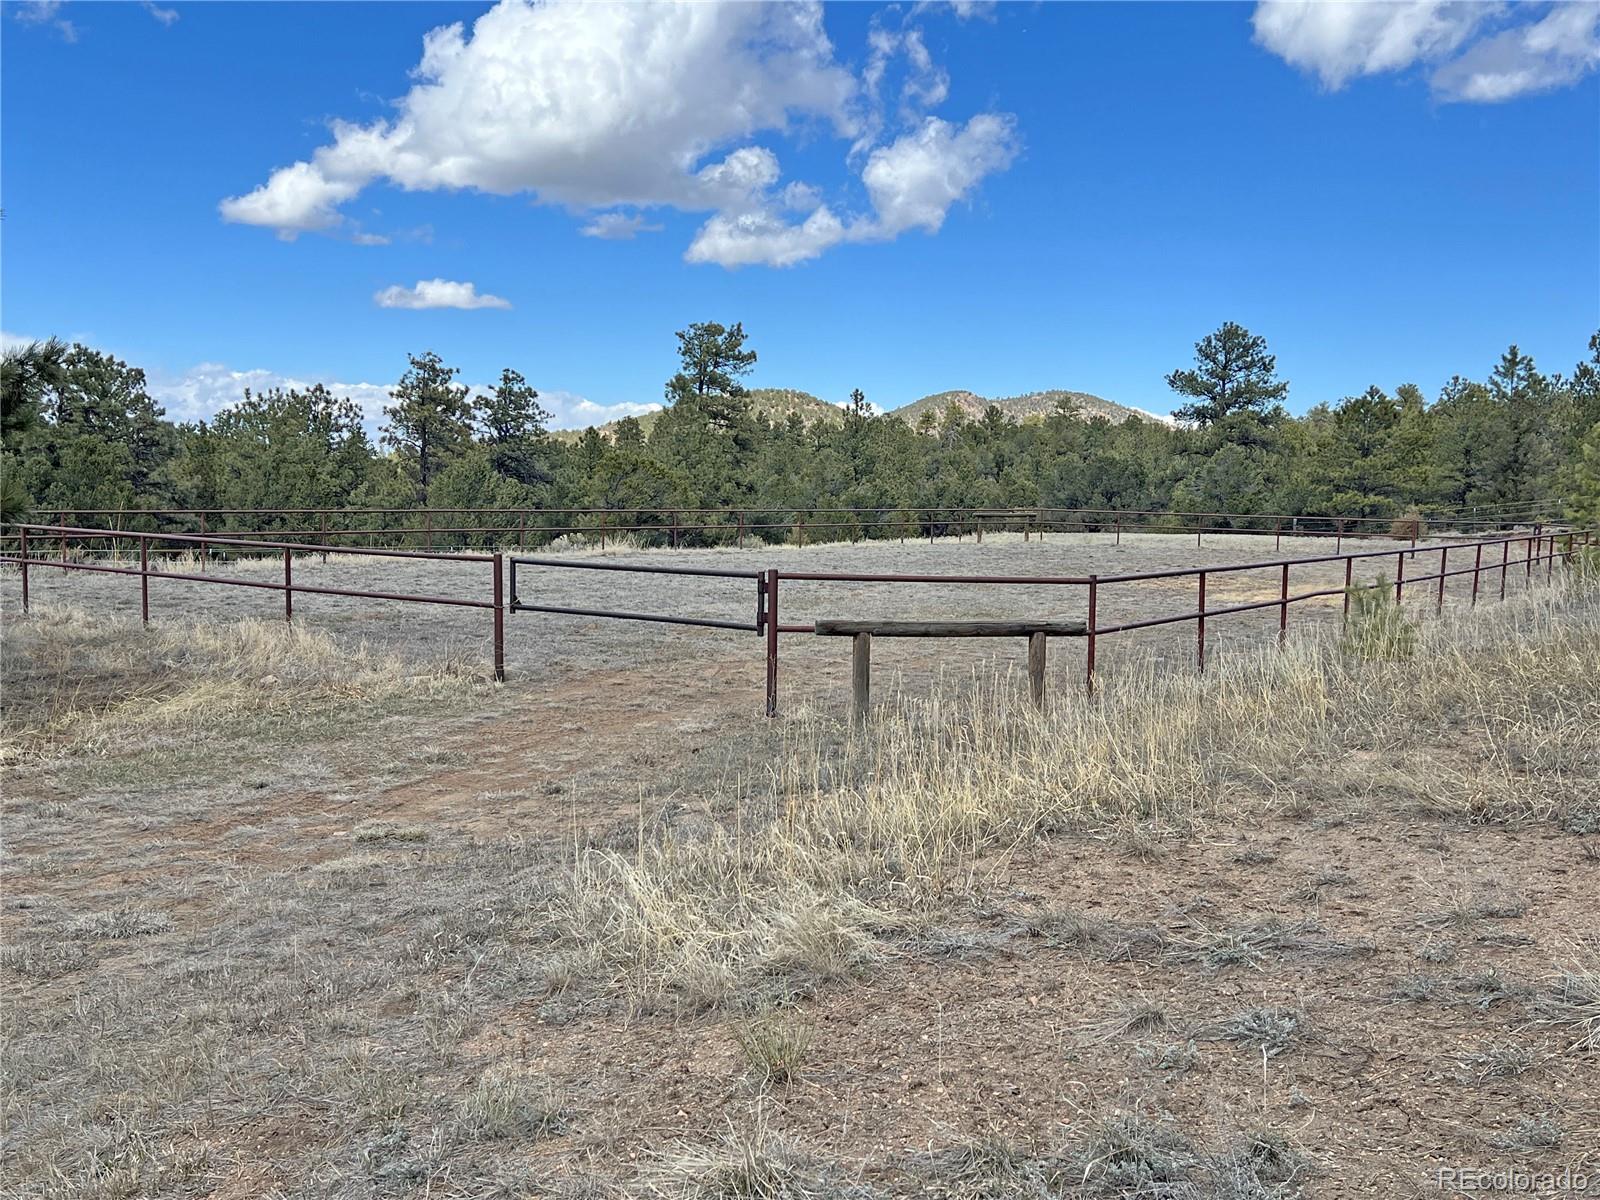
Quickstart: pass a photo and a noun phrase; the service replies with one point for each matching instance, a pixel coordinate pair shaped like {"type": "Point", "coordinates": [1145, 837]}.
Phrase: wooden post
{"type": "Point", "coordinates": [1036, 661]}
{"type": "Point", "coordinates": [860, 676]}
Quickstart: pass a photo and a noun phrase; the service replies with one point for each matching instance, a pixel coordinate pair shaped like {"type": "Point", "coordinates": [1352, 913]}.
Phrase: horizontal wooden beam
{"type": "Point", "coordinates": [951, 629]}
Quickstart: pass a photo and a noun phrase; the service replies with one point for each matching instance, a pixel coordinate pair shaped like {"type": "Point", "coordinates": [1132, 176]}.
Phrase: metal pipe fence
{"type": "Point", "coordinates": [1538, 547]}
{"type": "Point", "coordinates": [522, 529]}
{"type": "Point", "coordinates": [40, 534]}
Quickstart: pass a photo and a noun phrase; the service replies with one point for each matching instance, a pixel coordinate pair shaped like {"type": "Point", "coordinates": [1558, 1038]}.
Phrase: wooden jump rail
{"type": "Point", "coordinates": [861, 634]}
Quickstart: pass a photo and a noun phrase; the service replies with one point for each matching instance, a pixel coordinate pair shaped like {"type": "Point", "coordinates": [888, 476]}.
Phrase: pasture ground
{"type": "Point", "coordinates": [320, 911]}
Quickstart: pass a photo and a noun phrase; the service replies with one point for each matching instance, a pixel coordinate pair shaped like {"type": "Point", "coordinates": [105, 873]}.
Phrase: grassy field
{"type": "Point", "coordinates": [290, 915]}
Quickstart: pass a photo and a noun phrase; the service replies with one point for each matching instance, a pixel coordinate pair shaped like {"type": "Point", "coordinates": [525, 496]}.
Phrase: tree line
{"type": "Point", "coordinates": [82, 432]}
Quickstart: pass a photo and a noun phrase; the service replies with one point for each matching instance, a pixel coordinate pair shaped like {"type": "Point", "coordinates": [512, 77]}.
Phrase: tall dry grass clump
{"type": "Point", "coordinates": [854, 837]}
{"type": "Point", "coordinates": [74, 677]}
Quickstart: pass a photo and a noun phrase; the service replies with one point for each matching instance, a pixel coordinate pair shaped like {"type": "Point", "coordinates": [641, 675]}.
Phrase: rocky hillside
{"type": "Point", "coordinates": [777, 404]}
{"type": "Point", "coordinates": [1036, 405]}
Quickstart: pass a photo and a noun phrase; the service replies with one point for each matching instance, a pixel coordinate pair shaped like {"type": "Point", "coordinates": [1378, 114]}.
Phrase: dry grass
{"type": "Point", "coordinates": [809, 875]}
{"type": "Point", "coordinates": [75, 679]}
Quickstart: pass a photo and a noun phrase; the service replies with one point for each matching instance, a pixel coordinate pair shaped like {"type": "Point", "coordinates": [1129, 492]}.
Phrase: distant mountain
{"type": "Point", "coordinates": [1034, 405]}
{"type": "Point", "coordinates": [778, 404]}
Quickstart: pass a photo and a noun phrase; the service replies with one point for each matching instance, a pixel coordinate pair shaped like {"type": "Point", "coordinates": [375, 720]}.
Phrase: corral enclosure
{"type": "Point", "coordinates": [680, 666]}
{"type": "Point", "coordinates": [316, 910]}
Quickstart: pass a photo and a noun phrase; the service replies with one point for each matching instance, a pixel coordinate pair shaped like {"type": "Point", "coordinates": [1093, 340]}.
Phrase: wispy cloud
{"type": "Point", "coordinates": [618, 227]}
{"type": "Point", "coordinates": [46, 14]}
{"type": "Point", "coordinates": [167, 16]}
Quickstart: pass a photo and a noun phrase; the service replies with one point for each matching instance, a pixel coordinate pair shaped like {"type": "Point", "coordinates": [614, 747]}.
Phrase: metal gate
{"type": "Point", "coordinates": [764, 615]}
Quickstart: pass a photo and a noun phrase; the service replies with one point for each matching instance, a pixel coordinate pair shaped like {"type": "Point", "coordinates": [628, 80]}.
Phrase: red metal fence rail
{"type": "Point", "coordinates": [37, 533]}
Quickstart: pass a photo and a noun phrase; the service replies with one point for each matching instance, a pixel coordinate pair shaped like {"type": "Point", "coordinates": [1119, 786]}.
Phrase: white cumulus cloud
{"type": "Point", "coordinates": [438, 293]}
{"type": "Point", "coordinates": [912, 183]}
{"type": "Point", "coordinates": [601, 106]}
{"type": "Point", "coordinates": [1536, 47]}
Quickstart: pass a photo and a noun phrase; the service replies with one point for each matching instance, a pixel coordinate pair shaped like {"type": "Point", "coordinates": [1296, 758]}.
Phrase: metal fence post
{"type": "Point", "coordinates": [1444, 557]}
{"type": "Point", "coordinates": [22, 553]}
{"type": "Point", "coordinates": [499, 619]}
{"type": "Point", "coordinates": [1277, 535]}
{"type": "Point", "coordinates": [1200, 627]}
{"type": "Point", "coordinates": [1505, 560]}
{"type": "Point", "coordinates": [324, 535]}
{"type": "Point", "coordinates": [1089, 632]}
{"type": "Point", "coordinates": [1477, 566]}
{"type": "Point", "coordinates": [1349, 571]}
{"type": "Point", "coordinates": [144, 579]}
{"type": "Point", "coordinates": [741, 530]}
{"type": "Point", "coordinates": [1283, 607]}
{"type": "Point", "coordinates": [62, 518]}
{"type": "Point", "coordinates": [202, 546]}
{"type": "Point", "coordinates": [1399, 575]}
{"type": "Point", "coordinates": [772, 642]}
{"type": "Point", "coordinates": [288, 584]}
{"type": "Point", "coordinates": [1338, 535]}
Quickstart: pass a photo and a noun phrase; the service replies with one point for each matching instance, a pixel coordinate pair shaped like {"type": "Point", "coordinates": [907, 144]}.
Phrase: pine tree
{"type": "Point", "coordinates": [1233, 373]}
{"type": "Point", "coordinates": [429, 421]}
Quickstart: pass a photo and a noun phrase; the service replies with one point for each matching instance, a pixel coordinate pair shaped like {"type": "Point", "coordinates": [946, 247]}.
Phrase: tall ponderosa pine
{"type": "Point", "coordinates": [513, 425]}
{"type": "Point", "coordinates": [1233, 373]}
{"type": "Point", "coordinates": [430, 420]}
{"type": "Point", "coordinates": [706, 435]}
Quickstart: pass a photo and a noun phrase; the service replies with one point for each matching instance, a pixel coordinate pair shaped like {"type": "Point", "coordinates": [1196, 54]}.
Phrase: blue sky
{"type": "Point", "coordinates": [1001, 198]}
